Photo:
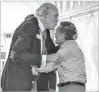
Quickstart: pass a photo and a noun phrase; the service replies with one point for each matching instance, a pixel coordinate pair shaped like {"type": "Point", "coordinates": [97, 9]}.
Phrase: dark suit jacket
{"type": "Point", "coordinates": [27, 49]}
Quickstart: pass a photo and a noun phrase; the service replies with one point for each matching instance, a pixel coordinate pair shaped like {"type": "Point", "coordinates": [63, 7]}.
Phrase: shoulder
{"type": "Point", "coordinates": [29, 17]}
{"type": "Point", "coordinates": [28, 26]}
{"type": "Point", "coordinates": [71, 46]}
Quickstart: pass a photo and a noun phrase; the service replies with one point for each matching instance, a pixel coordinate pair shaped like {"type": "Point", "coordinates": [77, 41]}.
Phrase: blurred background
{"type": "Point", "coordinates": [84, 14]}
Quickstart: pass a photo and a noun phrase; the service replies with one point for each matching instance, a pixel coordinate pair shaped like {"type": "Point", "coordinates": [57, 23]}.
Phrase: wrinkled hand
{"type": "Point", "coordinates": [51, 58]}
{"type": "Point", "coordinates": [34, 71]}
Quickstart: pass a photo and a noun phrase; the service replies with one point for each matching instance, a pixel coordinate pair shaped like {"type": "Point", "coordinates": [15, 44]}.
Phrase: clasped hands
{"type": "Point", "coordinates": [49, 58]}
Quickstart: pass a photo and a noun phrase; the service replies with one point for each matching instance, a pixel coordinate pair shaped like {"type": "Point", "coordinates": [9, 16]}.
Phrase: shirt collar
{"type": "Point", "coordinates": [40, 24]}
{"type": "Point", "coordinates": [67, 43]}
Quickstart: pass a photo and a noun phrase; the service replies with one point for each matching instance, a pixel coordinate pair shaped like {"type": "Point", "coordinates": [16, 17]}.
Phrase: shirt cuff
{"type": "Point", "coordinates": [43, 60]}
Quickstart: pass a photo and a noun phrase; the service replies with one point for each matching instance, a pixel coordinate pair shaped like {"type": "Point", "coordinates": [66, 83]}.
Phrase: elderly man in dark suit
{"type": "Point", "coordinates": [29, 48]}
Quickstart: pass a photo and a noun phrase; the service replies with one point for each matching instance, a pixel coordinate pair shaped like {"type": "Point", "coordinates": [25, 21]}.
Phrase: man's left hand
{"type": "Point", "coordinates": [34, 71]}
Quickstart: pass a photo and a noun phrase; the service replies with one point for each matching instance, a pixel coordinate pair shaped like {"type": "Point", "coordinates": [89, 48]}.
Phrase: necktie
{"type": "Point", "coordinates": [47, 34]}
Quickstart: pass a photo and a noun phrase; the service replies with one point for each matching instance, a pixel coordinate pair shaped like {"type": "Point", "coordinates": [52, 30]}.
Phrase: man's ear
{"type": "Point", "coordinates": [44, 16]}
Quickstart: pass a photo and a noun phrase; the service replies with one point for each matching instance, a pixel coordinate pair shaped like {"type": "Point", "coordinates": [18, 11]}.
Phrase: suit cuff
{"type": "Point", "coordinates": [43, 60]}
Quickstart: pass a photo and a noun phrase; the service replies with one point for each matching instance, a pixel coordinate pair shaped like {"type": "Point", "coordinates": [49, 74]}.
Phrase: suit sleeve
{"type": "Point", "coordinates": [21, 48]}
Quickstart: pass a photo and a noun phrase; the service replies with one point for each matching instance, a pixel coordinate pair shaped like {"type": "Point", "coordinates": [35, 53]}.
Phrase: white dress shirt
{"type": "Point", "coordinates": [42, 29]}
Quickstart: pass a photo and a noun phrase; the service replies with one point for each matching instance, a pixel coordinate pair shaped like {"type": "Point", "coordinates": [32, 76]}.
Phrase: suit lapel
{"type": "Point", "coordinates": [38, 35]}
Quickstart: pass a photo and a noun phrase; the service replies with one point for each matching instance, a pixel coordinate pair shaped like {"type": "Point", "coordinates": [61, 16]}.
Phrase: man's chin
{"type": "Point", "coordinates": [56, 43]}
{"type": "Point", "coordinates": [52, 28]}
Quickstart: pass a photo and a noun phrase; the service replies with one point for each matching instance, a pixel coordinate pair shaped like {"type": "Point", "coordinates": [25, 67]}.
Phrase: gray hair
{"type": "Point", "coordinates": [69, 29]}
{"type": "Point", "coordinates": [44, 9]}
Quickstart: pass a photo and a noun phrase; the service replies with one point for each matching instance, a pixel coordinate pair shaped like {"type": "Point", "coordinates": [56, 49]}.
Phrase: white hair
{"type": "Point", "coordinates": [44, 9]}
